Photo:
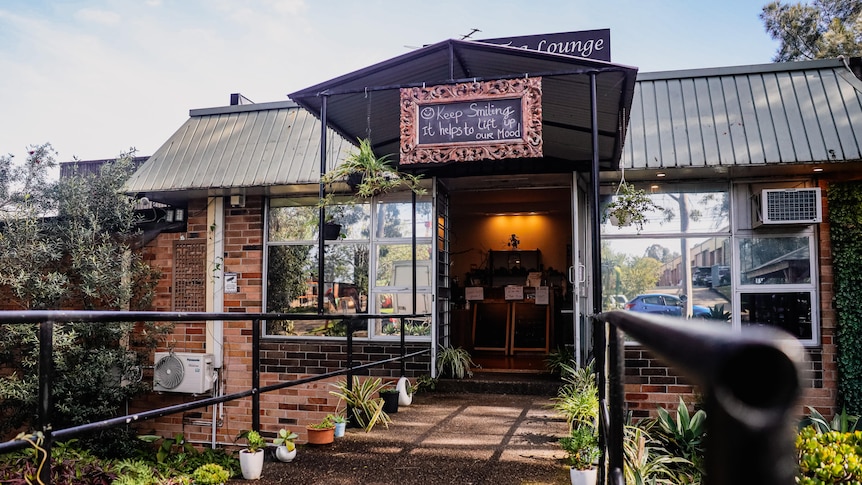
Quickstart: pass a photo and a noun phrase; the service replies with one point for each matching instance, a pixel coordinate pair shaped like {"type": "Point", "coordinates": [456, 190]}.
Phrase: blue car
{"type": "Point", "coordinates": [662, 304]}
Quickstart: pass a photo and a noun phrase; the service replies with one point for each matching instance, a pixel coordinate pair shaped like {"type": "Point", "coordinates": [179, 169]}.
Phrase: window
{"type": "Point", "coordinates": [775, 284]}
{"type": "Point", "coordinates": [730, 273]}
{"type": "Point", "coordinates": [367, 268]}
{"type": "Point", "coordinates": [682, 250]}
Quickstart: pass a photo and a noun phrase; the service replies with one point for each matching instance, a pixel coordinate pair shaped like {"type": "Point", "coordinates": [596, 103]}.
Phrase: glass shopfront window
{"type": "Point", "coordinates": [687, 261]}
{"type": "Point", "coordinates": [367, 266]}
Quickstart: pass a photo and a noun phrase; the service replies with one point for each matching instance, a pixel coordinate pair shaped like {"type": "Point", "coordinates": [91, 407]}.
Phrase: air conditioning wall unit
{"type": "Point", "coordinates": [184, 372]}
{"type": "Point", "coordinates": [787, 206]}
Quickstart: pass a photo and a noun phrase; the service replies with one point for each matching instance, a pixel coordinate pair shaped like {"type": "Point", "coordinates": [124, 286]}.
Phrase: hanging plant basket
{"type": "Point", "coordinates": [331, 231]}
{"type": "Point", "coordinates": [630, 207]}
{"type": "Point", "coordinates": [353, 180]}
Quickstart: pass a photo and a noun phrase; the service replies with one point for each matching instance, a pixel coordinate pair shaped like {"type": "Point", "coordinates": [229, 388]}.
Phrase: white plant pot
{"type": "Point", "coordinates": [251, 464]}
{"type": "Point", "coordinates": [284, 455]}
{"type": "Point", "coordinates": [404, 399]}
{"type": "Point", "coordinates": [583, 477]}
{"type": "Point", "coordinates": [626, 221]}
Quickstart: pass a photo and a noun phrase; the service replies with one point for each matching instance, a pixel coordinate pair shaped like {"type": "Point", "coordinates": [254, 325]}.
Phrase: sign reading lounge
{"type": "Point", "coordinates": [488, 120]}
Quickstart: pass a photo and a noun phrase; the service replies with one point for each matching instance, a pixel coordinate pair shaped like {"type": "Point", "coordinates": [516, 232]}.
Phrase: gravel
{"type": "Point", "coordinates": [444, 438]}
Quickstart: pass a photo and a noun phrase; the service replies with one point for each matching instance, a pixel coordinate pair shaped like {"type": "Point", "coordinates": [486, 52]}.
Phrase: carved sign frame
{"type": "Point", "coordinates": [529, 145]}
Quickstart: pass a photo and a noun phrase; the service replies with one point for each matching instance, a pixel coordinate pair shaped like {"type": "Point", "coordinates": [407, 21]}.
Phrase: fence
{"type": "Point", "coordinates": [750, 381]}
{"type": "Point", "coordinates": [47, 319]}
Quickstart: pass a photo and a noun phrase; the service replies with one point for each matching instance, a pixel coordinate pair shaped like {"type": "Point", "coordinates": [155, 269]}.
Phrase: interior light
{"type": "Point", "coordinates": [818, 169]}
{"type": "Point", "coordinates": [661, 174]}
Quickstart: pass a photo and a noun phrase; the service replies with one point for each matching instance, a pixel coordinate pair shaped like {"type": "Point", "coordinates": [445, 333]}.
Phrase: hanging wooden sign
{"type": "Point", "coordinates": [462, 122]}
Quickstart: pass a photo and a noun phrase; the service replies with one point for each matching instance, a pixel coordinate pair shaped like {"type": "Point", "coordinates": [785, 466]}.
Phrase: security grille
{"type": "Point", "coordinates": [189, 285]}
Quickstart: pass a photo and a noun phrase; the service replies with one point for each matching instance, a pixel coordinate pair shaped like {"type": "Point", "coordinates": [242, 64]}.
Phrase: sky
{"type": "Point", "coordinates": [96, 78]}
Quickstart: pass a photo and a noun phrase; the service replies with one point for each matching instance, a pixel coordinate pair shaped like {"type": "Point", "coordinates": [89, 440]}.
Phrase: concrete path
{"type": "Point", "coordinates": [441, 438]}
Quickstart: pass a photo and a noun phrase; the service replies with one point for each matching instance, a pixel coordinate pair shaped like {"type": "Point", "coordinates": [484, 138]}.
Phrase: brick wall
{"type": "Point", "coordinates": [281, 360]}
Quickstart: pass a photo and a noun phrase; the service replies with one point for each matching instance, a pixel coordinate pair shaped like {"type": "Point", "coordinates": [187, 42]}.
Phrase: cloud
{"type": "Point", "coordinates": [97, 16]}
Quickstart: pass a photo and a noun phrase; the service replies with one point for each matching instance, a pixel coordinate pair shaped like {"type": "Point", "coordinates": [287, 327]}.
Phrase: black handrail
{"type": "Point", "coordinates": [751, 380]}
{"type": "Point", "coordinates": [47, 318]}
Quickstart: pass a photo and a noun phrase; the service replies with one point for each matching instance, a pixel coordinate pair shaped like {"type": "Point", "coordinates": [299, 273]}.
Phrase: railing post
{"type": "Point", "coordinates": [255, 375]}
{"type": "Point", "coordinates": [349, 322]}
{"type": "Point", "coordinates": [616, 366]}
{"type": "Point", "coordinates": [46, 379]}
{"type": "Point", "coordinates": [599, 348]}
{"type": "Point", "coordinates": [404, 343]}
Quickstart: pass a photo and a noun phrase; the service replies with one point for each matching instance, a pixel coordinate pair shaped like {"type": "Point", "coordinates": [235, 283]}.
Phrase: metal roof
{"type": "Point", "coordinates": [781, 113]}
{"type": "Point", "coordinates": [248, 146]}
{"type": "Point", "coordinates": [771, 115]}
{"type": "Point", "coordinates": [366, 103]}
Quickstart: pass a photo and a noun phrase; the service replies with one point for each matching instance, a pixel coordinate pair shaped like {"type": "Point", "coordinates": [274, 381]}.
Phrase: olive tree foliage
{"type": "Point", "coordinates": [67, 244]}
{"type": "Point", "coordinates": [820, 29]}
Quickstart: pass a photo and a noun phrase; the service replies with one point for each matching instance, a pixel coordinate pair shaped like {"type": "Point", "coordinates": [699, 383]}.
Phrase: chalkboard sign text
{"type": "Point", "coordinates": [496, 120]}
{"type": "Point", "coordinates": [462, 122]}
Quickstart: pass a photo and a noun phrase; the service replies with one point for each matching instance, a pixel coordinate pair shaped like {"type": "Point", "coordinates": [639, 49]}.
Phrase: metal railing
{"type": "Point", "coordinates": [750, 381]}
{"type": "Point", "coordinates": [47, 319]}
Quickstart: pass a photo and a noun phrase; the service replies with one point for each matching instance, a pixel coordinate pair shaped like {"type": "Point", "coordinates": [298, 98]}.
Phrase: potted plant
{"type": "Point", "coordinates": [251, 457]}
{"type": "Point", "coordinates": [210, 474]}
{"type": "Point", "coordinates": [340, 425]}
{"type": "Point", "coordinates": [405, 392]}
{"type": "Point", "coordinates": [390, 397]}
{"type": "Point", "coordinates": [582, 451]}
{"type": "Point", "coordinates": [368, 175]}
{"type": "Point", "coordinates": [630, 206]}
{"type": "Point", "coordinates": [365, 407]}
{"type": "Point", "coordinates": [454, 362]}
{"type": "Point", "coordinates": [285, 447]}
{"type": "Point", "coordinates": [322, 433]}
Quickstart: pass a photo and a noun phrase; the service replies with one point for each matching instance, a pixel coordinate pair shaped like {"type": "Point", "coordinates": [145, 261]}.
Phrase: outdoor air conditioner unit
{"type": "Point", "coordinates": [190, 373]}
{"type": "Point", "coordinates": [788, 206]}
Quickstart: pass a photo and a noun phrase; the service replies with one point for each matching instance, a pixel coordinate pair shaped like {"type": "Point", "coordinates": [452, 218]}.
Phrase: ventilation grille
{"type": "Point", "coordinates": [790, 206]}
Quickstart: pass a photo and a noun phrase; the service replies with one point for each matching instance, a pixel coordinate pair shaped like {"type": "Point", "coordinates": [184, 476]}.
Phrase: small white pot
{"type": "Point", "coordinates": [251, 464]}
{"type": "Point", "coordinates": [283, 455]}
{"type": "Point", "coordinates": [404, 399]}
{"type": "Point", "coordinates": [583, 477]}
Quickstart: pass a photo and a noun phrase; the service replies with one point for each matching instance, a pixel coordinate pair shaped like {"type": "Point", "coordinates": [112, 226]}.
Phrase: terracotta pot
{"type": "Point", "coordinates": [321, 436]}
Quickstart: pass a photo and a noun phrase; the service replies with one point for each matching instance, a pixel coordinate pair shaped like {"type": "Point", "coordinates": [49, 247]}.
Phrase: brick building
{"type": "Point", "coordinates": [501, 237]}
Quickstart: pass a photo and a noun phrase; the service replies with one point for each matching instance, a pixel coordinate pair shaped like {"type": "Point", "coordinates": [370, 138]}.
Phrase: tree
{"type": "Point", "coordinates": [823, 29]}
{"type": "Point", "coordinates": [67, 244]}
{"type": "Point", "coordinates": [640, 275]}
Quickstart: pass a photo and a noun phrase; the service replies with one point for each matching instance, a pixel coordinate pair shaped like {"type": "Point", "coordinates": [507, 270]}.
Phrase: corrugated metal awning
{"type": "Point", "coordinates": [782, 113]}
{"type": "Point", "coordinates": [256, 146]}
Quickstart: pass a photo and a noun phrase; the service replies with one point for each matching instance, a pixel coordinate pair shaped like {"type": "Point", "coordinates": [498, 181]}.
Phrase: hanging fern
{"type": "Point", "coordinates": [845, 218]}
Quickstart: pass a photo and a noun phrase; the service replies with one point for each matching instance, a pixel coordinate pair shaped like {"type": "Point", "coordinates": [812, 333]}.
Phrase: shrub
{"type": "Point", "coordinates": [581, 447]}
{"type": "Point", "coordinates": [210, 474]}
{"type": "Point", "coordinates": [830, 457]}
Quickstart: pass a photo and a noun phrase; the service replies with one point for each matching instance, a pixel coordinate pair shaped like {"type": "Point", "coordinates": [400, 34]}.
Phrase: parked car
{"type": "Point", "coordinates": [615, 302]}
{"type": "Point", "coordinates": [663, 304]}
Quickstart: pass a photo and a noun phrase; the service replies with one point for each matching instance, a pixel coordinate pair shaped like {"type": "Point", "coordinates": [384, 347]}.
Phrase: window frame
{"type": "Point", "coordinates": [372, 242]}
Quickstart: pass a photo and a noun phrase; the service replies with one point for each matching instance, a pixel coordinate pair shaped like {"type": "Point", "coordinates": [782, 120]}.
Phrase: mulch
{"type": "Point", "coordinates": [446, 438]}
